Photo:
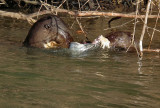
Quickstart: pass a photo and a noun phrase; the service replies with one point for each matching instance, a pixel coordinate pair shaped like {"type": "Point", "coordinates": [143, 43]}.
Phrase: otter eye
{"type": "Point", "coordinates": [47, 26]}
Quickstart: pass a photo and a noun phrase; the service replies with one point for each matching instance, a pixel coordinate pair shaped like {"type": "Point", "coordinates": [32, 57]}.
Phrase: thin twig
{"type": "Point", "coordinates": [79, 5]}
{"type": "Point", "coordinates": [80, 25]}
{"type": "Point", "coordinates": [154, 30]}
{"type": "Point", "coordinates": [67, 5]}
{"type": "Point", "coordinates": [98, 5]}
{"type": "Point", "coordinates": [134, 30]}
{"type": "Point", "coordinates": [40, 8]}
{"type": "Point", "coordinates": [120, 25]}
{"type": "Point", "coordinates": [61, 4]}
{"type": "Point", "coordinates": [84, 4]}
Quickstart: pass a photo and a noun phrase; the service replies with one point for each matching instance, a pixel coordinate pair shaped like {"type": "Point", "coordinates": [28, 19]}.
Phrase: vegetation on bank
{"type": "Point", "coordinates": [138, 9]}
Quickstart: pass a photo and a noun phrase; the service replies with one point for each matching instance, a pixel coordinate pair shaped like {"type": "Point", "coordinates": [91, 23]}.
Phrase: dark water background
{"type": "Point", "coordinates": [35, 78]}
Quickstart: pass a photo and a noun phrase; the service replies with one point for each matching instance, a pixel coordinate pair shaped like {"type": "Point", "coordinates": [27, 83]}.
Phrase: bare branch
{"type": "Point", "coordinates": [73, 13]}
{"type": "Point", "coordinates": [144, 28]}
{"type": "Point", "coordinates": [32, 2]}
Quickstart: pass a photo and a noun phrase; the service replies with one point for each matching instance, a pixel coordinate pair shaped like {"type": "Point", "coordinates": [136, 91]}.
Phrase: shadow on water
{"type": "Point", "coordinates": [38, 78]}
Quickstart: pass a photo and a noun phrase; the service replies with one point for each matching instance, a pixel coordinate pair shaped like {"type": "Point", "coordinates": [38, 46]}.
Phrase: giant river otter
{"type": "Point", "coordinates": [119, 39]}
{"type": "Point", "coordinates": [49, 32]}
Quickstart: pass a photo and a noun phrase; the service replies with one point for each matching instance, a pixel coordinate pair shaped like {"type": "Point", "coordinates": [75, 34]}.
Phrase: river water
{"type": "Point", "coordinates": [36, 78]}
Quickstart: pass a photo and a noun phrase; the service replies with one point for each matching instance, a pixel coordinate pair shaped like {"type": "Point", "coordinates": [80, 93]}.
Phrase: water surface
{"type": "Point", "coordinates": [35, 78]}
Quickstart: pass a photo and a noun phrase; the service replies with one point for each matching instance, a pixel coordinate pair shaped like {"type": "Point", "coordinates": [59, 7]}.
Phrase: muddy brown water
{"type": "Point", "coordinates": [36, 78]}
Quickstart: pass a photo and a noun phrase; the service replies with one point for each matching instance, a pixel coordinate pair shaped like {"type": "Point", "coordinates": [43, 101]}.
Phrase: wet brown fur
{"type": "Point", "coordinates": [120, 40]}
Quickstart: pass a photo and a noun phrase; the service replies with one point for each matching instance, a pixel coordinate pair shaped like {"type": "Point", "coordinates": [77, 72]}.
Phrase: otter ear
{"type": "Point", "coordinates": [47, 26]}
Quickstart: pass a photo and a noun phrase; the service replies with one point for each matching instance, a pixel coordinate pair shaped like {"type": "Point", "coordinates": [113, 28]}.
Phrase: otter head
{"type": "Point", "coordinates": [49, 32]}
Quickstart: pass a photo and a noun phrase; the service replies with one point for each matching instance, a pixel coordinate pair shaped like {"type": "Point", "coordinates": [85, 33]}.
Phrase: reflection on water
{"type": "Point", "coordinates": [31, 77]}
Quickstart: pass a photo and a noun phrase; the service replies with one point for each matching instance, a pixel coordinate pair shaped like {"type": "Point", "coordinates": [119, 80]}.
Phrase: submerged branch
{"type": "Point", "coordinates": [13, 15]}
{"type": "Point", "coordinates": [151, 50]}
